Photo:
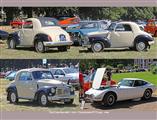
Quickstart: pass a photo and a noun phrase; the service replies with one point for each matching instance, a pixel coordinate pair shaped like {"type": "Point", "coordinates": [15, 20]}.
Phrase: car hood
{"type": "Point", "coordinates": [104, 33]}
{"type": "Point", "coordinates": [98, 78]}
{"type": "Point", "coordinates": [50, 82]}
{"type": "Point", "coordinates": [86, 31]}
{"type": "Point", "coordinates": [73, 75]}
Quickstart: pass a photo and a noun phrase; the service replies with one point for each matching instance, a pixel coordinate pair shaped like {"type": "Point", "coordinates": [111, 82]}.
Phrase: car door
{"type": "Point", "coordinates": [126, 91]}
{"type": "Point", "coordinates": [27, 34]}
{"type": "Point", "coordinates": [122, 36]}
{"type": "Point", "coordinates": [26, 86]}
{"type": "Point", "coordinates": [139, 87]}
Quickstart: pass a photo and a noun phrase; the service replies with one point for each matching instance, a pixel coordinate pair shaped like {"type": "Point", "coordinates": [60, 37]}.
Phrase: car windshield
{"type": "Point", "coordinates": [128, 83]}
{"type": "Point", "coordinates": [88, 25]}
{"type": "Point", "coordinates": [12, 74]}
{"type": "Point", "coordinates": [112, 26]}
{"type": "Point", "coordinates": [37, 75]}
{"type": "Point", "coordinates": [47, 22]}
{"type": "Point", "coordinates": [70, 70]}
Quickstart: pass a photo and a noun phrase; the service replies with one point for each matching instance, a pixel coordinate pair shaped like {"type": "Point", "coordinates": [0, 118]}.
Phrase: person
{"type": "Point", "coordinates": [107, 78]}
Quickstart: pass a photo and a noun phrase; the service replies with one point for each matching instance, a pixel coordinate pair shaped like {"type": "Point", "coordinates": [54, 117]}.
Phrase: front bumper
{"type": "Point", "coordinates": [91, 98]}
{"type": "Point", "coordinates": [151, 42]}
{"type": "Point", "coordinates": [56, 44]}
{"type": "Point", "coordinates": [60, 98]}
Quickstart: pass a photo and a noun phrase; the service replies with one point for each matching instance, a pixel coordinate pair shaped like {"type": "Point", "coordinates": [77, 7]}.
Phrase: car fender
{"type": "Point", "coordinates": [45, 89]}
{"type": "Point", "coordinates": [14, 36]}
{"type": "Point", "coordinates": [144, 38]}
{"type": "Point", "coordinates": [11, 88]}
{"type": "Point", "coordinates": [41, 37]}
{"type": "Point", "coordinates": [111, 91]}
{"type": "Point", "coordinates": [102, 39]}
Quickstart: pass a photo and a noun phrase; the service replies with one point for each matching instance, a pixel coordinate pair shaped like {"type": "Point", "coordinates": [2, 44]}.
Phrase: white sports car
{"type": "Point", "coordinates": [127, 88]}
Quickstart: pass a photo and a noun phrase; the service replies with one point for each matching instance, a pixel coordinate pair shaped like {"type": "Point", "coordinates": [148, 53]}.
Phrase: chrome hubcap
{"type": "Point", "coordinates": [40, 46]}
{"type": "Point", "coordinates": [147, 95]}
{"type": "Point", "coordinates": [110, 100]}
{"type": "Point", "coordinates": [43, 100]}
{"type": "Point", "coordinates": [97, 47]}
{"type": "Point", "coordinates": [13, 97]}
{"type": "Point", "coordinates": [141, 46]}
{"type": "Point", "coordinates": [11, 43]}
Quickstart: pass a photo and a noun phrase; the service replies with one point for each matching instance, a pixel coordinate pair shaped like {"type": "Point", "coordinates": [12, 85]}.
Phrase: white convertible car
{"type": "Point", "coordinates": [127, 88]}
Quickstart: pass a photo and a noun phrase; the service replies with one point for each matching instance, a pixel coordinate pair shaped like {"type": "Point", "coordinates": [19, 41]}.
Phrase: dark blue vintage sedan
{"type": "Point", "coordinates": [3, 35]}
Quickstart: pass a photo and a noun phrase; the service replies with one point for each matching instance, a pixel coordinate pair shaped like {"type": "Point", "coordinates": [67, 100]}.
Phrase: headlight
{"type": "Point", "coordinates": [53, 90]}
{"type": "Point", "coordinates": [71, 89]}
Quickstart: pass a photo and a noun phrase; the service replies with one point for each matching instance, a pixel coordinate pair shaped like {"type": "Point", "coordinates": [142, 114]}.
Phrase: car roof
{"type": "Point", "coordinates": [132, 79]}
{"type": "Point", "coordinates": [33, 69]}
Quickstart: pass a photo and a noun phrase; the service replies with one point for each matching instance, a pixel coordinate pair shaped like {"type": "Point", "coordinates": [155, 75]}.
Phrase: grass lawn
{"type": "Point", "coordinates": [25, 105]}
{"type": "Point", "coordinates": [148, 76]}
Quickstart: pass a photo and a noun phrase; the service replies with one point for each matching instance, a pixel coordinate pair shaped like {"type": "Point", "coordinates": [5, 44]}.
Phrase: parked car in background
{"type": "Point", "coordinates": [65, 21]}
{"type": "Point", "coordinates": [2, 74]}
{"type": "Point", "coordinates": [119, 35]}
{"type": "Point", "coordinates": [16, 24]}
{"type": "Point", "coordinates": [3, 35]}
{"type": "Point", "coordinates": [11, 75]}
{"type": "Point", "coordinates": [67, 75]}
{"type": "Point", "coordinates": [38, 85]}
{"type": "Point", "coordinates": [40, 33]}
{"type": "Point", "coordinates": [151, 27]}
{"type": "Point", "coordinates": [127, 88]}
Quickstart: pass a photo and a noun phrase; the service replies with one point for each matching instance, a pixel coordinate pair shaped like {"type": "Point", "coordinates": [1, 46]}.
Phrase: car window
{"type": "Point", "coordinates": [37, 75]}
{"type": "Point", "coordinates": [139, 83]}
{"type": "Point", "coordinates": [28, 25]}
{"type": "Point", "coordinates": [24, 76]}
{"type": "Point", "coordinates": [59, 72]}
{"type": "Point", "coordinates": [46, 21]}
{"type": "Point", "coordinates": [123, 27]}
{"type": "Point", "coordinates": [128, 83]}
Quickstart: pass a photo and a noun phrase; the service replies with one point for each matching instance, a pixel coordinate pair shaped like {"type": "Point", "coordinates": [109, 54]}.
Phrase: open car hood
{"type": "Point", "coordinates": [98, 78]}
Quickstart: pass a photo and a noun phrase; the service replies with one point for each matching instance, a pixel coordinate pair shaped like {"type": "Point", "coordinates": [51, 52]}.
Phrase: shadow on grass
{"type": "Point", "coordinates": [50, 105]}
{"type": "Point", "coordinates": [125, 104]}
{"type": "Point", "coordinates": [108, 50]}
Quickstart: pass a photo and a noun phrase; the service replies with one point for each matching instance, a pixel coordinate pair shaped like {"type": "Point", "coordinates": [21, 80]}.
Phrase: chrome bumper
{"type": "Point", "coordinates": [60, 98]}
{"type": "Point", "coordinates": [55, 44]}
{"type": "Point", "coordinates": [151, 42]}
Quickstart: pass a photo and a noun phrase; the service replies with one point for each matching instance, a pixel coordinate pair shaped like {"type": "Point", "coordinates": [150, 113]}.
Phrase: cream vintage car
{"type": "Point", "coordinates": [39, 85]}
{"type": "Point", "coordinates": [119, 35]}
{"type": "Point", "coordinates": [41, 33]}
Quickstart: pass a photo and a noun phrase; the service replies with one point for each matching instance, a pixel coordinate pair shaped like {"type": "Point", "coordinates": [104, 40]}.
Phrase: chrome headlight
{"type": "Point", "coordinates": [53, 90]}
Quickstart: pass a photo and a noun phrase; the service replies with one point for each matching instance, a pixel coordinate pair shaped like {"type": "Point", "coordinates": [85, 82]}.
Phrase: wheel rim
{"type": "Point", "coordinates": [141, 46]}
{"type": "Point", "coordinates": [40, 46]}
{"type": "Point", "coordinates": [110, 99]}
{"type": "Point", "coordinates": [147, 94]}
{"type": "Point", "coordinates": [43, 100]}
{"type": "Point", "coordinates": [97, 47]}
{"type": "Point", "coordinates": [11, 44]}
{"type": "Point", "coordinates": [13, 97]}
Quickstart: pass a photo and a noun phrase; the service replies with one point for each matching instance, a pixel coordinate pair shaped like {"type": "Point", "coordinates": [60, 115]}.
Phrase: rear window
{"type": "Point", "coordinates": [46, 22]}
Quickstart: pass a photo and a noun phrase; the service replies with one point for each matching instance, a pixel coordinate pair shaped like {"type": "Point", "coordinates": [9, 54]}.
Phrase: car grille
{"type": "Point", "coordinates": [62, 92]}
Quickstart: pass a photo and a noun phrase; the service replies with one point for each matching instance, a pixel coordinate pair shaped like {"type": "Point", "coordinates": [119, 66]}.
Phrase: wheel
{"type": "Point", "coordinates": [69, 102]}
{"type": "Point", "coordinates": [109, 99]}
{"type": "Point", "coordinates": [13, 97]}
{"type": "Point", "coordinates": [39, 47]}
{"type": "Point", "coordinates": [147, 94]}
{"type": "Point", "coordinates": [62, 48]}
{"type": "Point", "coordinates": [42, 99]}
{"type": "Point", "coordinates": [97, 47]}
{"type": "Point", "coordinates": [11, 44]}
{"type": "Point", "coordinates": [141, 46]}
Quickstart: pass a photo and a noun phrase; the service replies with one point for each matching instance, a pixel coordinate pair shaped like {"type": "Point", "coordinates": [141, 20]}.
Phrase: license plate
{"type": "Point", "coordinates": [62, 38]}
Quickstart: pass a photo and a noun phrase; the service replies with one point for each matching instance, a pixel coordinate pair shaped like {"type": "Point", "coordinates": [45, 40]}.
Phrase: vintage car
{"type": "Point", "coordinates": [3, 35]}
{"type": "Point", "coordinates": [86, 27]}
{"type": "Point", "coordinates": [38, 84]}
{"type": "Point", "coordinates": [41, 33]}
{"type": "Point", "coordinates": [127, 88]}
{"type": "Point", "coordinates": [67, 75]}
{"type": "Point", "coordinates": [119, 35]}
